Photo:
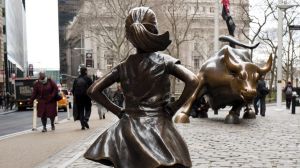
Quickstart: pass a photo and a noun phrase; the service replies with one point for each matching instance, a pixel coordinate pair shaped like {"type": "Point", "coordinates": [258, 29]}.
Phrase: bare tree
{"type": "Point", "coordinates": [259, 31]}
{"type": "Point", "coordinates": [179, 16]}
{"type": "Point", "coordinates": [289, 56]}
{"type": "Point", "coordinates": [272, 47]}
{"type": "Point", "coordinates": [104, 21]}
{"type": "Point", "coordinates": [257, 22]}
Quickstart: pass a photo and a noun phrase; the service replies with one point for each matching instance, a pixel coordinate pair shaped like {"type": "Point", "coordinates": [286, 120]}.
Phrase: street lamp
{"type": "Point", "coordinates": [282, 8]}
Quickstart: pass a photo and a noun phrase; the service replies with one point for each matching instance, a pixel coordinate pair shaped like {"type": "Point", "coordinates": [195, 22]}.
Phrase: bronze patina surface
{"type": "Point", "coordinates": [229, 79]}
{"type": "Point", "coordinates": [145, 136]}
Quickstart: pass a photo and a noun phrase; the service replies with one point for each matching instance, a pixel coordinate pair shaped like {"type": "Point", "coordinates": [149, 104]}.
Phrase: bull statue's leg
{"type": "Point", "coordinates": [182, 115]}
{"type": "Point", "coordinates": [233, 116]}
{"type": "Point", "coordinates": [249, 113]}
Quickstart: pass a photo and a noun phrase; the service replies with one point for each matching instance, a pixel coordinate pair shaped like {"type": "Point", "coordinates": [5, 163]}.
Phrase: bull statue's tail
{"type": "Point", "coordinates": [232, 40]}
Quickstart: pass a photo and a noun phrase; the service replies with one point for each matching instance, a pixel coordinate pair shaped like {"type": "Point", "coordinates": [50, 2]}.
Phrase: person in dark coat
{"type": "Point", "coordinates": [1, 101]}
{"type": "Point", "coordinates": [45, 90]}
{"type": "Point", "coordinates": [82, 102]}
{"type": "Point", "coordinates": [118, 96]}
{"type": "Point", "coordinates": [11, 101]}
{"type": "Point", "coordinates": [145, 136]}
{"type": "Point", "coordinates": [288, 90]}
{"type": "Point", "coordinates": [262, 92]}
{"type": "Point", "coordinates": [7, 102]}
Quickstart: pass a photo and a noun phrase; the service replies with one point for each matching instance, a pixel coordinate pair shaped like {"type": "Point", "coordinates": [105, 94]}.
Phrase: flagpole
{"type": "Point", "coordinates": [279, 55]}
{"type": "Point", "coordinates": [216, 27]}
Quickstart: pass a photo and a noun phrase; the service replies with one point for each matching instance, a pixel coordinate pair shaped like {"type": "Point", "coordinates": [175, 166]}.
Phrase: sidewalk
{"type": "Point", "coordinates": [271, 141]}
{"type": "Point", "coordinates": [33, 148]}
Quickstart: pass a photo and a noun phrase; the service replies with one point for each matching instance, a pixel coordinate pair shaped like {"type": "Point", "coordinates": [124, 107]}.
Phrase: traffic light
{"type": "Point", "coordinates": [30, 70]}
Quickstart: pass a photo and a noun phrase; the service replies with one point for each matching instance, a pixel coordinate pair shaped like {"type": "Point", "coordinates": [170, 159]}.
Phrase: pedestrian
{"type": "Point", "coordinates": [81, 100]}
{"type": "Point", "coordinates": [7, 98]}
{"type": "Point", "coordinates": [11, 101]}
{"type": "Point", "coordinates": [101, 109]}
{"type": "Point", "coordinates": [45, 91]}
{"type": "Point", "coordinates": [145, 135]}
{"type": "Point", "coordinates": [260, 99]}
{"type": "Point", "coordinates": [118, 96]}
{"type": "Point", "coordinates": [288, 90]}
{"type": "Point", "coordinates": [1, 100]}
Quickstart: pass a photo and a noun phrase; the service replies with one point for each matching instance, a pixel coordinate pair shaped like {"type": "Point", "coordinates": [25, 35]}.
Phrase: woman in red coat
{"type": "Point", "coordinates": [45, 90]}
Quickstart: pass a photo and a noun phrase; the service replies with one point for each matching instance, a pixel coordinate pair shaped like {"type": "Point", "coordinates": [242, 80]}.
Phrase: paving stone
{"type": "Point", "coordinates": [269, 142]}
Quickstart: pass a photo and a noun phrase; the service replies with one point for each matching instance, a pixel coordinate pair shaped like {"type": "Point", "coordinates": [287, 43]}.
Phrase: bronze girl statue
{"type": "Point", "coordinates": [145, 136]}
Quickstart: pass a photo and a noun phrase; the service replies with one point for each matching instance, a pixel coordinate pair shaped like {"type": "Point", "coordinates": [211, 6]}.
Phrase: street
{"type": "Point", "coordinates": [21, 121]}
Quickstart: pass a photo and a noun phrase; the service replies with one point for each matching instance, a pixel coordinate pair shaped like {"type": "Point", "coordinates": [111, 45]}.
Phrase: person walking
{"type": "Point", "coordinates": [145, 135]}
{"type": "Point", "coordinates": [81, 100]}
{"type": "Point", "coordinates": [101, 109]}
{"type": "Point", "coordinates": [288, 90]}
{"type": "Point", "coordinates": [118, 96]}
{"type": "Point", "coordinates": [11, 101]}
{"type": "Point", "coordinates": [260, 100]}
{"type": "Point", "coordinates": [7, 102]}
{"type": "Point", "coordinates": [45, 91]}
{"type": "Point", "coordinates": [1, 100]}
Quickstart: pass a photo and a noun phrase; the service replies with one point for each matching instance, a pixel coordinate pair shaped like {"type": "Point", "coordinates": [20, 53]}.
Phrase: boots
{"type": "Point", "coordinates": [52, 127]}
{"type": "Point", "coordinates": [44, 129]}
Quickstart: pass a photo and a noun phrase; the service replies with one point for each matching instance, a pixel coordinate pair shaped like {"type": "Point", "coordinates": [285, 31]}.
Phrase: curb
{"type": "Point", "coordinates": [73, 152]}
{"type": "Point", "coordinates": [28, 131]}
{"type": "Point", "coordinates": [7, 112]}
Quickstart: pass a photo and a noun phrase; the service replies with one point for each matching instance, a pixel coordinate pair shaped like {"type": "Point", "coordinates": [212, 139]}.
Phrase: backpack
{"type": "Point", "coordinates": [289, 91]}
{"type": "Point", "coordinates": [81, 87]}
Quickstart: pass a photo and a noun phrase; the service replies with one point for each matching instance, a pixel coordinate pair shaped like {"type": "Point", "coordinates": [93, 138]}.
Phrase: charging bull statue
{"type": "Point", "coordinates": [229, 78]}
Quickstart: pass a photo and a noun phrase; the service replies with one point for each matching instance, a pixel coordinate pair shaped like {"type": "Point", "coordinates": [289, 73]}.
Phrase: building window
{"type": "Point", "coordinates": [4, 29]}
{"type": "Point", "coordinates": [110, 62]}
{"type": "Point", "coordinates": [202, 9]}
{"type": "Point", "coordinates": [211, 9]}
{"type": "Point", "coordinates": [196, 63]}
{"type": "Point", "coordinates": [3, 12]}
{"type": "Point", "coordinates": [5, 47]}
{"type": "Point", "coordinates": [196, 45]}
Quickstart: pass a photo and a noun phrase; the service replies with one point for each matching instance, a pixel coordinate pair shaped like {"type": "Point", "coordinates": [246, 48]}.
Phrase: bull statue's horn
{"type": "Point", "coordinates": [231, 65]}
{"type": "Point", "coordinates": [267, 67]}
{"type": "Point", "coordinates": [230, 39]}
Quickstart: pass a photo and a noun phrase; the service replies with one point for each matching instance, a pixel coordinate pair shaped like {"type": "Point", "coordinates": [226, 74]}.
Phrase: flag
{"type": "Point", "coordinates": [230, 25]}
{"type": "Point", "coordinates": [226, 16]}
{"type": "Point", "coordinates": [225, 10]}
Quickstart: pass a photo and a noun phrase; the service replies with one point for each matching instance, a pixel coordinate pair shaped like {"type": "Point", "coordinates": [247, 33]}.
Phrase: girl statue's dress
{"type": "Point", "coordinates": [145, 136]}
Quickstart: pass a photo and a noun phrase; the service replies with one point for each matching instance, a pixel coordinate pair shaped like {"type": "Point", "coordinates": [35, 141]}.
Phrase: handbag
{"type": "Point", "coordinates": [265, 91]}
{"type": "Point", "coordinates": [58, 97]}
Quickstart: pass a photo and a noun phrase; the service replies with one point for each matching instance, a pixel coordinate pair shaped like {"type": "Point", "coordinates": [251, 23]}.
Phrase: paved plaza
{"type": "Point", "coordinates": [272, 141]}
{"type": "Point", "coordinates": [269, 142]}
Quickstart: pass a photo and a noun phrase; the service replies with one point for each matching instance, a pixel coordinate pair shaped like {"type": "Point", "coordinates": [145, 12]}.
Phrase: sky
{"type": "Point", "coordinates": [42, 33]}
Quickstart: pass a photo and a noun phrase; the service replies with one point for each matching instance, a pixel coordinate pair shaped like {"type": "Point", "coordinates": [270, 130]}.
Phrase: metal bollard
{"type": "Point", "coordinates": [34, 115]}
{"type": "Point", "coordinates": [68, 112]}
{"type": "Point", "coordinates": [293, 105]}
{"type": "Point", "coordinates": [56, 118]}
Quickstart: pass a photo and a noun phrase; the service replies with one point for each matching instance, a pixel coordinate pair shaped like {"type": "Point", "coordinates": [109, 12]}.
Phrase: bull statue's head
{"type": "Point", "coordinates": [245, 76]}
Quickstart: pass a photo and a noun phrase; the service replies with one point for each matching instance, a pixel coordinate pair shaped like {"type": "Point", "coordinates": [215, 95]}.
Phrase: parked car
{"type": "Point", "coordinates": [69, 95]}
{"type": "Point", "coordinates": [63, 103]}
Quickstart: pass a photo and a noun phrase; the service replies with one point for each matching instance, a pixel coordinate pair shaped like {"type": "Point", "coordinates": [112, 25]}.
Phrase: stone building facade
{"type": "Point", "coordinates": [13, 43]}
{"type": "Point", "coordinates": [198, 46]}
